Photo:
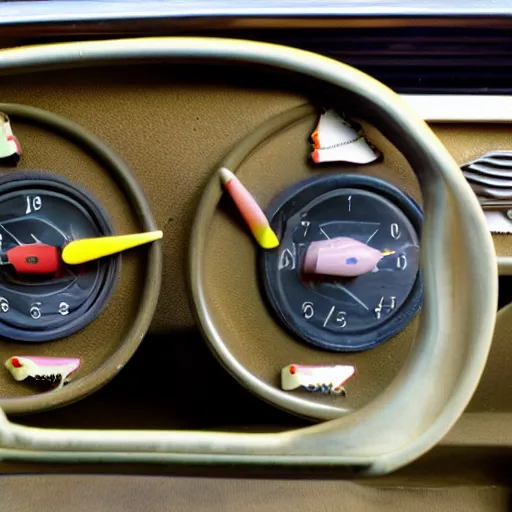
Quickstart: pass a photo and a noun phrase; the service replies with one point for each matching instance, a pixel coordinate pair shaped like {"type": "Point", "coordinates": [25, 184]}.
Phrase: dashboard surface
{"type": "Point", "coordinates": [172, 125]}
{"type": "Point", "coordinates": [172, 132]}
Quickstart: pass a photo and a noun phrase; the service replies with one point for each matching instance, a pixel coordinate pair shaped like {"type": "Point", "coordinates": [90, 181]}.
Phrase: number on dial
{"type": "Point", "coordinates": [4, 305]}
{"type": "Point", "coordinates": [385, 306]}
{"type": "Point", "coordinates": [35, 312]}
{"type": "Point", "coordinates": [64, 308]}
{"type": "Point", "coordinates": [33, 204]}
{"type": "Point", "coordinates": [401, 262]}
{"type": "Point", "coordinates": [308, 310]}
{"type": "Point", "coordinates": [339, 318]}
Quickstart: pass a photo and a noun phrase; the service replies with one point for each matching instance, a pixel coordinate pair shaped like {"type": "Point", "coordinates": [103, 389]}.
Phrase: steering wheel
{"type": "Point", "coordinates": [458, 266]}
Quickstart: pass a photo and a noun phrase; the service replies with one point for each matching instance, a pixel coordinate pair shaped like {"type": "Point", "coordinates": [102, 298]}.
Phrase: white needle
{"type": "Point", "coordinates": [325, 234]}
{"type": "Point", "coordinates": [348, 292]}
{"type": "Point", "coordinates": [329, 315]}
{"type": "Point", "coordinates": [372, 235]}
{"type": "Point", "coordinates": [10, 234]}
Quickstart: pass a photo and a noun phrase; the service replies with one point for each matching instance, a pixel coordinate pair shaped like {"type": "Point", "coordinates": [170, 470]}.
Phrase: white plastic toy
{"type": "Point", "coordinates": [56, 371]}
{"type": "Point", "coordinates": [325, 379]}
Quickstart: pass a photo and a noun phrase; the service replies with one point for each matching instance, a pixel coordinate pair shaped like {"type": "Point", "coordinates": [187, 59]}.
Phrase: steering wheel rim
{"type": "Point", "coordinates": [373, 431]}
{"type": "Point", "coordinates": [455, 332]}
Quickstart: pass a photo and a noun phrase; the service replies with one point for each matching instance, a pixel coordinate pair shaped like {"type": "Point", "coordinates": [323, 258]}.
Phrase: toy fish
{"type": "Point", "coordinates": [325, 379]}
{"type": "Point", "coordinates": [53, 370]}
{"type": "Point", "coordinates": [341, 256]}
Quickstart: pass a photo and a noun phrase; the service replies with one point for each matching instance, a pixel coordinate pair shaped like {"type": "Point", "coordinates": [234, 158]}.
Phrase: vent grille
{"type": "Point", "coordinates": [413, 60]}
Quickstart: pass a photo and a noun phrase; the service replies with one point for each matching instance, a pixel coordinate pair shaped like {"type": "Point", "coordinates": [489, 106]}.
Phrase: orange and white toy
{"type": "Point", "coordinates": [250, 210]}
{"type": "Point", "coordinates": [9, 145]}
{"type": "Point", "coordinates": [337, 140]}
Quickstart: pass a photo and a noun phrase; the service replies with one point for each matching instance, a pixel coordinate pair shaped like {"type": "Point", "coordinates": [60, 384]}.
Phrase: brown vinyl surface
{"type": "Point", "coordinates": [82, 493]}
{"type": "Point", "coordinates": [96, 342]}
{"type": "Point", "coordinates": [494, 392]}
{"type": "Point", "coordinates": [256, 339]}
{"type": "Point", "coordinates": [172, 125]}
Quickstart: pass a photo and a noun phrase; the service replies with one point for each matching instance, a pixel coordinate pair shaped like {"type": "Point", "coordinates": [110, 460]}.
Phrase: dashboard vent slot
{"type": "Point", "coordinates": [416, 60]}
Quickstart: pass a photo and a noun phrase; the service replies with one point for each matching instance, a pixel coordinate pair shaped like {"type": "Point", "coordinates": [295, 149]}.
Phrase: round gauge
{"type": "Point", "coordinates": [44, 209]}
{"type": "Point", "coordinates": [335, 313]}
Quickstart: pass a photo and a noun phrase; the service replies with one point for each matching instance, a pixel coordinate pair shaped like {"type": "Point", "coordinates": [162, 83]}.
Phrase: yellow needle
{"type": "Point", "coordinates": [89, 249]}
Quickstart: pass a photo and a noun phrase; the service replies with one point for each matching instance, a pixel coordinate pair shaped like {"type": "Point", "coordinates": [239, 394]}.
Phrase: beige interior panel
{"type": "Point", "coordinates": [135, 493]}
{"type": "Point", "coordinates": [172, 125]}
{"type": "Point", "coordinates": [170, 132]}
{"type": "Point", "coordinates": [494, 393]}
{"type": "Point", "coordinates": [96, 342]}
{"type": "Point", "coordinates": [257, 341]}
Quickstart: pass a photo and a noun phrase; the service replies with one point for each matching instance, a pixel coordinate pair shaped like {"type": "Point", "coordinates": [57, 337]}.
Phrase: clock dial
{"type": "Point", "coordinates": [331, 312]}
{"type": "Point", "coordinates": [44, 209]}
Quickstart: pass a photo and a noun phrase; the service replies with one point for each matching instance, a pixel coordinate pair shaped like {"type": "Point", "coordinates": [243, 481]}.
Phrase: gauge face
{"type": "Point", "coordinates": [334, 313]}
{"type": "Point", "coordinates": [42, 209]}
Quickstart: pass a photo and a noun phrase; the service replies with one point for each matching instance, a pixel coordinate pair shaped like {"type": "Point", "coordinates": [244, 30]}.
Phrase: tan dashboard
{"type": "Point", "coordinates": [172, 126]}
{"type": "Point", "coordinates": [172, 129]}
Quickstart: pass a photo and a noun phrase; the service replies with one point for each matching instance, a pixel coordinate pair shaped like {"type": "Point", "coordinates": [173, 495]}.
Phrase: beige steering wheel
{"type": "Point", "coordinates": [460, 291]}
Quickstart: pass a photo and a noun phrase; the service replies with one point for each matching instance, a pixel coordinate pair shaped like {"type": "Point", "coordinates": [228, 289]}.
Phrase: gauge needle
{"type": "Point", "coordinates": [89, 249]}
{"type": "Point", "coordinates": [32, 259]}
{"type": "Point", "coordinates": [341, 256]}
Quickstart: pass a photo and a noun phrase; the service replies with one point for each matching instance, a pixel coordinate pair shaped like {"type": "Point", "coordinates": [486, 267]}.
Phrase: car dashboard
{"type": "Point", "coordinates": [183, 342]}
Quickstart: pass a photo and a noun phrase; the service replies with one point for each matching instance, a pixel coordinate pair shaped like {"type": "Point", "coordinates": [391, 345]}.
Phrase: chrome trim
{"type": "Point", "coordinates": [71, 10]}
{"type": "Point", "coordinates": [461, 108]}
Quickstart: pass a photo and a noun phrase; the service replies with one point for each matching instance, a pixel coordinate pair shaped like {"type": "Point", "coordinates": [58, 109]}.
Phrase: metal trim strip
{"type": "Point", "coordinates": [69, 10]}
{"type": "Point", "coordinates": [461, 108]}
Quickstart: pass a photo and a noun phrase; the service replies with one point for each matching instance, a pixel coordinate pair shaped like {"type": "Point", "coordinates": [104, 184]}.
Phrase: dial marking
{"type": "Point", "coordinates": [23, 220]}
{"type": "Point", "coordinates": [372, 235]}
{"type": "Point", "coordinates": [381, 306]}
{"type": "Point", "coordinates": [355, 297]}
{"type": "Point", "coordinates": [360, 231]}
{"type": "Point", "coordinates": [325, 234]}
{"type": "Point", "coordinates": [35, 311]}
{"type": "Point", "coordinates": [287, 260]}
{"type": "Point", "coordinates": [63, 308]}
{"type": "Point", "coordinates": [33, 204]}
{"type": "Point", "coordinates": [307, 310]}
{"type": "Point", "coordinates": [395, 231]}
{"type": "Point", "coordinates": [328, 317]}
{"type": "Point", "coordinates": [10, 234]}
{"type": "Point", "coordinates": [401, 262]}
{"type": "Point", "coordinates": [341, 319]}
{"type": "Point", "coordinates": [305, 224]}
{"type": "Point", "coordinates": [4, 305]}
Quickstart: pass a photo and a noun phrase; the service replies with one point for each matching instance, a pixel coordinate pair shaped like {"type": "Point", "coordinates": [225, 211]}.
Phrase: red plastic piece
{"type": "Point", "coordinates": [34, 259]}
{"type": "Point", "coordinates": [16, 141]}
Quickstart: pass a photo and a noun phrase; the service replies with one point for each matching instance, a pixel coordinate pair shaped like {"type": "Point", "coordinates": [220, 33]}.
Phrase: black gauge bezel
{"type": "Point", "coordinates": [109, 268]}
{"type": "Point", "coordinates": [314, 187]}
